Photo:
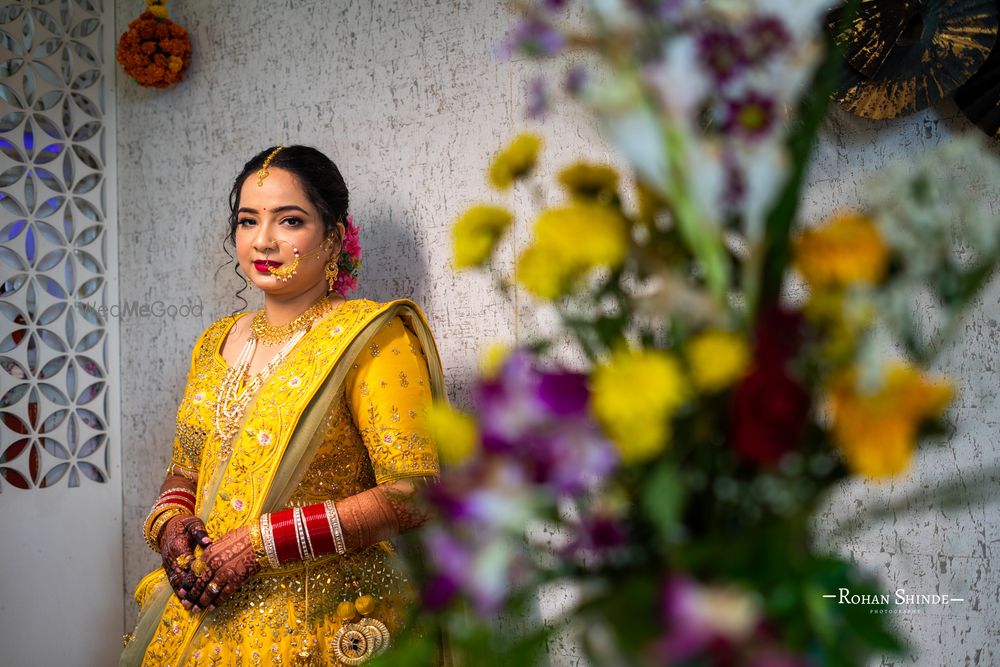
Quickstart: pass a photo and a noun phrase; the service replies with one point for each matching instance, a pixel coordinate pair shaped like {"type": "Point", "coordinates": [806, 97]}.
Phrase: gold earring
{"type": "Point", "coordinates": [283, 273]}
{"type": "Point", "coordinates": [330, 272]}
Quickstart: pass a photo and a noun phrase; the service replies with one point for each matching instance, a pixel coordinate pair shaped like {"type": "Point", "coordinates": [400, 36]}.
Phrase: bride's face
{"type": "Point", "coordinates": [275, 218]}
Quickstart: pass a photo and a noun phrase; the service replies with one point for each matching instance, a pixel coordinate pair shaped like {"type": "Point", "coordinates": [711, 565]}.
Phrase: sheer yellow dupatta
{"type": "Point", "coordinates": [272, 450]}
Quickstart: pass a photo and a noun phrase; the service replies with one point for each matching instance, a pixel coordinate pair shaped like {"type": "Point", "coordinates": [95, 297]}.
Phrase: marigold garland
{"type": "Point", "coordinates": [154, 50]}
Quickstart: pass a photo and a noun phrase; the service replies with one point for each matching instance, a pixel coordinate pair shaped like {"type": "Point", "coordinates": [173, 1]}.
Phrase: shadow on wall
{"type": "Point", "coordinates": [392, 265]}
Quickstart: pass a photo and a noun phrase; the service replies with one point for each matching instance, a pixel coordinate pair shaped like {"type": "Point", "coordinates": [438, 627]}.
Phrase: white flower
{"type": "Point", "coordinates": [678, 80]}
{"type": "Point", "coordinates": [638, 135]}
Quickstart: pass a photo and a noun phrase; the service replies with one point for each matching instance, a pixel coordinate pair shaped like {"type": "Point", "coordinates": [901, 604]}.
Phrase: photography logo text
{"type": "Point", "coordinates": [900, 601]}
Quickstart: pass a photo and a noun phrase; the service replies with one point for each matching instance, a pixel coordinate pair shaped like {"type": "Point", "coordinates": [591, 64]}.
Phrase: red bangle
{"type": "Point", "coordinates": [177, 496]}
{"type": "Point", "coordinates": [319, 529]}
{"type": "Point", "coordinates": [308, 538]}
{"type": "Point", "coordinates": [286, 543]}
{"type": "Point", "coordinates": [174, 498]}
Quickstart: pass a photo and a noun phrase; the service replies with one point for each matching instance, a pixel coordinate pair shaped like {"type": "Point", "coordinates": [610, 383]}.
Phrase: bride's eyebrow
{"type": "Point", "coordinates": [280, 209]}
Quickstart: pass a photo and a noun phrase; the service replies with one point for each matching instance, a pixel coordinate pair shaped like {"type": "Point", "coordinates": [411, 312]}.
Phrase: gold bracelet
{"type": "Point", "coordinates": [147, 526]}
{"type": "Point", "coordinates": [259, 552]}
{"type": "Point", "coordinates": [180, 471]}
{"type": "Point", "coordinates": [153, 537]}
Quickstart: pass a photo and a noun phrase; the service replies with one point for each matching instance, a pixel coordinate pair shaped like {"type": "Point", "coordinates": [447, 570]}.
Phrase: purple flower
{"type": "Point", "coordinates": [439, 591]}
{"type": "Point", "coordinates": [538, 98]}
{"type": "Point", "coordinates": [721, 53]}
{"type": "Point", "coordinates": [533, 38]}
{"type": "Point", "coordinates": [764, 37]}
{"type": "Point", "coordinates": [507, 405]}
{"type": "Point", "coordinates": [704, 620]}
{"type": "Point", "coordinates": [580, 459]}
{"type": "Point", "coordinates": [734, 183]}
{"type": "Point", "coordinates": [564, 394]}
{"type": "Point", "coordinates": [664, 10]}
{"type": "Point", "coordinates": [540, 443]}
{"type": "Point", "coordinates": [595, 538]}
{"type": "Point", "coordinates": [539, 419]}
{"type": "Point", "coordinates": [575, 79]}
{"type": "Point", "coordinates": [750, 116]}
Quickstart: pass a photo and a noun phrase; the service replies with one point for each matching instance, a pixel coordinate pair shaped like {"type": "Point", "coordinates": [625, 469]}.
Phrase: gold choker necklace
{"type": "Point", "coordinates": [268, 334]}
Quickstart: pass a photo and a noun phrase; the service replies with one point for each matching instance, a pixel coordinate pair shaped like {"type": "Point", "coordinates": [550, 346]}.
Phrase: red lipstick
{"type": "Point", "coordinates": [261, 265]}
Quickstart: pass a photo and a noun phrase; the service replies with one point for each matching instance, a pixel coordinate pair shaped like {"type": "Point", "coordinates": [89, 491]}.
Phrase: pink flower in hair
{"type": "Point", "coordinates": [350, 260]}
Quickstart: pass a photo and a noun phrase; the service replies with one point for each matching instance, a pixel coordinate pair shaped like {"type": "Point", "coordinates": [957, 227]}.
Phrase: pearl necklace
{"type": "Point", "coordinates": [232, 403]}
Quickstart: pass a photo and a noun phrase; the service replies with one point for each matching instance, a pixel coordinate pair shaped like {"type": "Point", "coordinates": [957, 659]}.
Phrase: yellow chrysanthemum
{"type": "Point", "coordinates": [587, 235]}
{"type": "Point", "coordinates": [584, 180]}
{"type": "Point", "coordinates": [544, 272]}
{"type": "Point", "coordinates": [569, 241]}
{"type": "Point", "coordinates": [876, 432]}
{"type": "Point", "coordinates": [159, 11]}
{"type": "Point", "coordinates": [454, 432]}
{"type": "Point", "coordinates": [634, 394]}
{"type": "Point", "coordinates": [515, 161]}
{"type": "Point", "coordinates": [476, 233]}
{"type": "Point", "coordinates": [492, 359]}
{"type": "Point", "coordinates": [843, 320]}
{"type": "Point", "coordinates": [844, 250]}
{"type": "Point", "coordinates": [717, 359]}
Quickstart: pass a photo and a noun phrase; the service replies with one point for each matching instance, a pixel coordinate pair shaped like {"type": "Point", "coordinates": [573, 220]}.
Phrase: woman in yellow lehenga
{"type": "Point", "coordinates": [300, 444]}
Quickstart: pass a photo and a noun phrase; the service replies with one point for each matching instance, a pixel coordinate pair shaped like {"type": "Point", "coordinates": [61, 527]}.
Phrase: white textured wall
{"type": "Point", "coordinates": [927, 548]}
{"type": "Point", "coordinates": [409, 101]}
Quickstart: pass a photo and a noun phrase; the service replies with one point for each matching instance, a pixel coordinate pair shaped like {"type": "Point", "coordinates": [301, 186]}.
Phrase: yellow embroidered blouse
{"type": "Point", "coordinates": [373, 432]}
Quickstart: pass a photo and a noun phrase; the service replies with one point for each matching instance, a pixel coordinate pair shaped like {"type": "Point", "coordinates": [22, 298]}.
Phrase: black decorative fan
{"type": "Point", "coordinates": [905, 55]}
{"type": "Point", "coordinates": [979, 97]}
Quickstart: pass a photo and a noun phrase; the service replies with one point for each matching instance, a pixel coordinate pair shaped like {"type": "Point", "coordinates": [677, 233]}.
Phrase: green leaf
{"type": "Point", "coordinates": [663, 500]}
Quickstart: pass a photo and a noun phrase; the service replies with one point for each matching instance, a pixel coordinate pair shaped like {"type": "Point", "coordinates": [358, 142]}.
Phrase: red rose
{"type": "Point", "coordinates": [769, 408]}
{"type": "Point", "coordinates": [768, 413]}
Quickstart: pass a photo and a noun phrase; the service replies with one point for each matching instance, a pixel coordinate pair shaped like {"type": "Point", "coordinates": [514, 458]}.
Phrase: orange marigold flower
{"type": "Point", "coordinates": [844, 250]}
{"type": "Point", "coordinates": [877, 431]}
{"type": "Point", "coordinates": [155, 52]}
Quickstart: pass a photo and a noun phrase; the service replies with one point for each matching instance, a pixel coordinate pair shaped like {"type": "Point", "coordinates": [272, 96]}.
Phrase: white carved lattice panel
{"type": "Point", "coordinates": [53, 245]}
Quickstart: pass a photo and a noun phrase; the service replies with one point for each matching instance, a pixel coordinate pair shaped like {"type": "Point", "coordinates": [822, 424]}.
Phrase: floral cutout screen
{"type": "Point", "coordinates": [53, 245]}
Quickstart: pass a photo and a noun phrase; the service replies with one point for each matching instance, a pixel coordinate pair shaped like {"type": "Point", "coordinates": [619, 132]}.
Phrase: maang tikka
{"type": "Point", "coordinates": [263, 172]}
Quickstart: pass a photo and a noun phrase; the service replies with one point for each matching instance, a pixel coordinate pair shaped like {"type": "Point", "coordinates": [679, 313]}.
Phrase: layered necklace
{"type": "Point", "coordinates": [238, 387]}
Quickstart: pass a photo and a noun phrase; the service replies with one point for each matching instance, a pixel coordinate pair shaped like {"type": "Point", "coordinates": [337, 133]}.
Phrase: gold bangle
{"type": "Point", "coordinates": [259, 552]}
{"type": "Point", "coordinates": [147, 526]}
{"type": "Point", "coordinates": [180, 471]}
{"type": "Point", "coordinates": [160, 520]}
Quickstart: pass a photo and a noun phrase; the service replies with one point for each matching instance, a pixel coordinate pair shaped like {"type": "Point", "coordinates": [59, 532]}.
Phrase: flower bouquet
{"type": "Point", "coordinates": [719, 364]}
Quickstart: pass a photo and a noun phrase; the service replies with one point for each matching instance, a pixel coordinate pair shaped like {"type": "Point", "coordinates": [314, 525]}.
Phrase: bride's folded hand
{"type": "Point", "coordinates": [177, 542]}
{"type": "Point", "coordinates": [230, 562]}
